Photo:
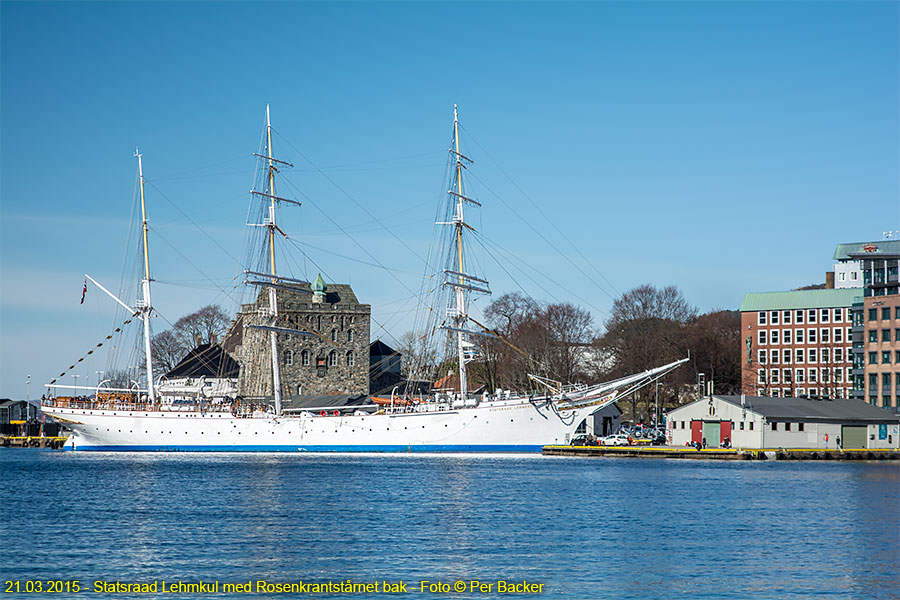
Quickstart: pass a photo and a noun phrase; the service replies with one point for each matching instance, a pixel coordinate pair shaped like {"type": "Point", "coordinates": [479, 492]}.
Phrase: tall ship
{"type": "Point", "coordinates": [141, 418]}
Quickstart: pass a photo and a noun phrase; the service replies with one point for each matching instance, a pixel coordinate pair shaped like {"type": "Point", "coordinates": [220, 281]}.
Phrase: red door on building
{"type": "Point", "coordinates": [697, 432]}
{"type": "Point", "coordinates": [725, 431]}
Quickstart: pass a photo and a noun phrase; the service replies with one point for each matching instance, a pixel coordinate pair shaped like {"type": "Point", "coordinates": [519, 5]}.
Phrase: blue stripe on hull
{"type": "Point", "coordinates": [294, 448]}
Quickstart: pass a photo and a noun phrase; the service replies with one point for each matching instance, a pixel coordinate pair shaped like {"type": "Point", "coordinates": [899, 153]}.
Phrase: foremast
{"type": "Point", "coordinates": [144, 305]}
{"type": "Point", "coordinates": [457, 278]}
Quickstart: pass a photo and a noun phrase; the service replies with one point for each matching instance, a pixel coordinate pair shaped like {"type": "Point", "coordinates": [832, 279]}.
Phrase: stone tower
{"type": "Point", "coordinates": [334, 359]}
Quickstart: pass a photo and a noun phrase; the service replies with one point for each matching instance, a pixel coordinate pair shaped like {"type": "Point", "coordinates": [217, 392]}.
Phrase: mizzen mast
{"type": "Point", "coordinates": [458, 278]}
{"type": "Point", "coordinates": [273, 296]}
{"type": "Point", "coordinates": [144, 306]}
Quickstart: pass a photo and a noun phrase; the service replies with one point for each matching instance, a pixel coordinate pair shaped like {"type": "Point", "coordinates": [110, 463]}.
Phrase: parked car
{"type": "Point", "coordinates": [585, 439]}
{"type": "Point", "coordinates": [619, 439]}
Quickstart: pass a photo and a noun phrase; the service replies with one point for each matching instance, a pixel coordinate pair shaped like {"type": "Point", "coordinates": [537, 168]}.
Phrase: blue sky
{"type": "Point", "coordinates": [724, 147]}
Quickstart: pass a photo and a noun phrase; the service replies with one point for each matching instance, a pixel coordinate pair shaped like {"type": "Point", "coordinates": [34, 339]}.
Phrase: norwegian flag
{"type": "Point", "coordinates": [83, 291]}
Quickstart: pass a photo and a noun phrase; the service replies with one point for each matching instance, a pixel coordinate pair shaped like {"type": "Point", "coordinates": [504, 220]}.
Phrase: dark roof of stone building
{"type": "Point", "coordinates": [206, 360]}
{"type": "Point", "coordinates": [235, 335]}
{"type": "Point", "coordinates": [809, 409]}
{"type": "Point", "coordinates": [379, 348]}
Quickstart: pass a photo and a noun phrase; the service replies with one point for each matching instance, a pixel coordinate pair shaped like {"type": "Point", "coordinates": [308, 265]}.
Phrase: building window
{"type": "Point", "coordinates": [873, 358]}
{"type": "Point", "coordinates": [799, 426]}
{"type": "Point", "coordinates": [773, 393]}
{"type": "Point", "coordinates": [334, 335]}
{"type": "Point", "coordinates": [349, 359]}
{"type": "Point", "coordinates": [786, 317]}
{"type": "Point", "coordinates": [810, 336]}
{"type": "Point", "coordinates": [761, 356]}
{"type": "Point", "coordinates": [304, 358]}
{"type": "Point", "coordinates": [762, 337]}
{"type": "Point", "coordinates": [349, 335]}
{"type": "Point", "coordinates": [798, 376]}
{"type": "Point", "coordinates": [773, 317]}
{"type": "Point", "coordinates": [886, 313]}
{"type": "Point", "coordinates": [824, 355]}
{"type": "Point", "coordinates": [787, 356]}
{"type": "Point", "coordinates": [332, 359]}
{"type": "Point", "coordinates": [799, 355]}
{"type": "Point", "coordinates": [811, 375]}
{"type": "Point", "coordinates": [823, 316]}
{"type": "Point", "coordinates": [786, 336]}
{"type": "Point", "coordinates": [798, 336]}
{"type": "Point", "coordinates": [288, 358]}
{"type": "Point", "coordinates": [760, 376]}
{"type": "Point", "coordinates": [838, 335]}
{"type": "Point", "coordinates": [811, 315]}
{"type": "Point", "coordinates": [885, 335]}
{"type": "Point", "coordinates": [824, 335]}
{"type": "Point", "coordinates": [886, 357]}
{"type": "Point", "coordinates": [742, 425]}
{"type": "Point", "coordinates": [812, 356]}
{"type": "Point", "coordinates": [798, 316]}
{"type": "Point", "coordinates": [873, 384]}
{"type": "Point", "coordinates": [838, 355]}
{"type": "Point", "coordinates": [787, 426]}
{"type": "Point", "coordinates": [897, 356]}
{"type": "Point", "coordinates": [886, 382]}
{"type": "Point", "coordinates": [873, 335]}
{"type": "Point", "coordinates": [751, 425]}
{"type": "Point", "coordinates": [897, 312]}
{"type": "Point", "coordinates": [774, 375]}
{"type": "Point", "coordinates": [773, 336]}
{"type": "Point", "coordinates": [775, 355]}
{"type": "Point", "coordinates": [897, 334]}
{"type": "Point", "coordinates": [838, 316]}
{"type": "Point", "coordinates": [873, 314]}
{"type": "Point", "coordinates": [774, 425]}
{"type": "Point", "coordinates": [801, 392]}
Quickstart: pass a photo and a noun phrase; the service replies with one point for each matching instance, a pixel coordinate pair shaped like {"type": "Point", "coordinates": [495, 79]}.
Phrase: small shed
{"type": "Point", "coordinates": [763, 422]}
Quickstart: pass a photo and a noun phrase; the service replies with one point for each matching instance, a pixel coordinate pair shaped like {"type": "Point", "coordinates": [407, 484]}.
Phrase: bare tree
{"type": "Point", "coordinates": [206, 324]}
{"type": "Point", "coordinates": [647, 327]}
{"type": "Point", "coordinates": [168, 350]}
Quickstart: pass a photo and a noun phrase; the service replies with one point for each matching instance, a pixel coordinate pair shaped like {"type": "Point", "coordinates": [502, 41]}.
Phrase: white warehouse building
{"type": "Point", "coordinates": [762, 422]}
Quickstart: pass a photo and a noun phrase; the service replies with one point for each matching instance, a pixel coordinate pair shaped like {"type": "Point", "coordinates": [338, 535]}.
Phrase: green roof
{"type": "Point", "coordinates": [842, 298]}
{"type": "Point", "coordinates": [843, 251]}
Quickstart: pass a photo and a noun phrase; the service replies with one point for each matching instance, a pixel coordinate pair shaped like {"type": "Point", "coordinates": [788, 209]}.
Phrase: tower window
{"type": "Point", "coordinates": [288, 357]}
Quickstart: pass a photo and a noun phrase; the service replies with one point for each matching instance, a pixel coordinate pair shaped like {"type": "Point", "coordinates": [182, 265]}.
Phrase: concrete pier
{"type": "Point", "coordinates": [32, 441]}
{"type": "Point", "coordinates": [725, 453]}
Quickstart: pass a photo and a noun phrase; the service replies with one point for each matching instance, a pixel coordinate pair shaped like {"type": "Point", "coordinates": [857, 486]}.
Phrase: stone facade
{"type": "Point", "coordinates": [334, 360]}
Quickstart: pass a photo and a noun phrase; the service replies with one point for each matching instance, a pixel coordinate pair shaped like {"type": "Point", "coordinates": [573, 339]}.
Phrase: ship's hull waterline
{"type": "Point", "coordinates": [502, 426]}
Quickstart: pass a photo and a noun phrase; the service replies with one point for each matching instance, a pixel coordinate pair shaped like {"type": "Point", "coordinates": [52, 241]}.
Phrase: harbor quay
{"type": "Point", "coordinates": [725, 453]}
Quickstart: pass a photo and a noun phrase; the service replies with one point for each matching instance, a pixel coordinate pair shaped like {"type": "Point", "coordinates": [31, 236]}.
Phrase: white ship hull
{"type": "Point", "coordinates": [515, 425]}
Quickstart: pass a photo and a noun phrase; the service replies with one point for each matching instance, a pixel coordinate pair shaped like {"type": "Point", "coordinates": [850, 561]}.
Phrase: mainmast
{"type": "Point", "coordinates": [273, 298]}
{"type": "Point", "coordinates": [144, 306]}
{"type": "Point", "coordinates": [272, 280]}
{"type": "Point", "coordinates": [458, 279]}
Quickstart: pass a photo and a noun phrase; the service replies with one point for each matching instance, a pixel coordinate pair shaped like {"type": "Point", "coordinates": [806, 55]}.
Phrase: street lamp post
{"type": "Point", "coordinates": [27, 388]}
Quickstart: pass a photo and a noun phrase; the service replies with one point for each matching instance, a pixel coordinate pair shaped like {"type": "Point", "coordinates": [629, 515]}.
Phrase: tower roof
{"type": "Point", "coordinates": [319, 286]}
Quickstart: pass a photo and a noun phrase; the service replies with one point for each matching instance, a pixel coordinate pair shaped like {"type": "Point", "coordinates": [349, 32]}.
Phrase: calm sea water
{"type": "Point", "coordinates": [585, 528]}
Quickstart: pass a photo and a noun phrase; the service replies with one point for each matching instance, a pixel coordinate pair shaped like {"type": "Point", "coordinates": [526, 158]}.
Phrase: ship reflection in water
{"type": "Point", "coordinates": [599, 528]}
